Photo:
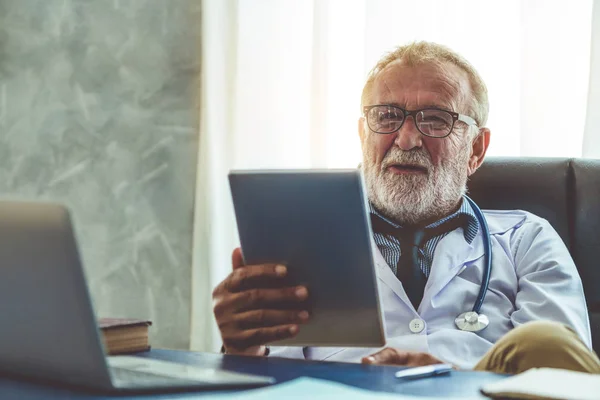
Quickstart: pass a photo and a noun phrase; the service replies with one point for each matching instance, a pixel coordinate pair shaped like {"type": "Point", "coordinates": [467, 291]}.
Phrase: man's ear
{"type": "Point", "coordinates": [361, 132]}
{"type": "Point", "coordinates": [479, 147]}
{"type": "Point", "coordinates": [361, 129]}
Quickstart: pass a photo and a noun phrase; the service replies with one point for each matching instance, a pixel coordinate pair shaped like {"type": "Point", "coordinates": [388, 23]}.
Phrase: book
{"type": "Point", "coordinates": [124, 335]}
{"type": "Point", "coordinates": [546, 383]}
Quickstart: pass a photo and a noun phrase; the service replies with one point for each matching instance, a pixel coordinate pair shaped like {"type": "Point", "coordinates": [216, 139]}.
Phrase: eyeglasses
{"type": "Point", "coordinates": [432, 122]}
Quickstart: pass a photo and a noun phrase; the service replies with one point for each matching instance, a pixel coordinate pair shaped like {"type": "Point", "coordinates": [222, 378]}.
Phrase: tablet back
{"type": "Point", "coordinates": [315, 222]}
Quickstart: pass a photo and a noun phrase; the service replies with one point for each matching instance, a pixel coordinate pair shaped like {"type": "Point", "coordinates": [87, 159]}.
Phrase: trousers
{"type": "Point", "coordinates": [539, 344]}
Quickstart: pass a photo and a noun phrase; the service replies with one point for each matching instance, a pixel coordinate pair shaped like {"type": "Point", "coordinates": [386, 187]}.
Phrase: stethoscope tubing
{"type": "Point", "coordinates": [487, 248]}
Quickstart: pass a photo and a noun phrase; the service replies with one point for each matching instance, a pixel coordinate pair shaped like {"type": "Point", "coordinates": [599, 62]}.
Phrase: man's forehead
{"type": "Point", "coordinates": [425, 83]}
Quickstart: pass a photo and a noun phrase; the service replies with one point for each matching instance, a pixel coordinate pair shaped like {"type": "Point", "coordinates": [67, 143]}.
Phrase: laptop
{"type": "Point", "coordinates": [315, 222]}
{"type": "Point", "coordinates": [48, 326]}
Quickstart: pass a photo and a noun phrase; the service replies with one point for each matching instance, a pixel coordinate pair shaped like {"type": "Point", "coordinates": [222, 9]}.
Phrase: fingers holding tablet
{"type": "Point", "coordinates": [255, 305]}
{"type": "Point", "coordinates": [237, 342]}
{"type": "Point", "coordinates": [267, 318]}
{"type": "Point", "coordinates": [257, 299]}
{"type": "Point", "coordinates": [252, 276]}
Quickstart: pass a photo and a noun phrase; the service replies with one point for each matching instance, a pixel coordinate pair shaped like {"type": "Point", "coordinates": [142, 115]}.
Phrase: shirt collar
{"type": "Point", "coordinates": [470, 228]}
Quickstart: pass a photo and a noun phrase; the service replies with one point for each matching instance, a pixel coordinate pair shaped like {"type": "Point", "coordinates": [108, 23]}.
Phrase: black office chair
{"type": "Point", "coordinates": [564, 191]}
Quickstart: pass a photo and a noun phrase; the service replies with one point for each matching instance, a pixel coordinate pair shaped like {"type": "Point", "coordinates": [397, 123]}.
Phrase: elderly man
{"type": "Point", "coordinates": [422, 131]}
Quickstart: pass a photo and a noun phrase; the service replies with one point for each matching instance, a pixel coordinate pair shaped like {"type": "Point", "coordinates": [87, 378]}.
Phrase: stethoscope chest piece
{"type": "Point", "coordinates": [471, 321]}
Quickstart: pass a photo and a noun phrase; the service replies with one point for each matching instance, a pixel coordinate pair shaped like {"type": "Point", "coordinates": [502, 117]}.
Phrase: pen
{"type": "Point", "coordinates": [424, 372]}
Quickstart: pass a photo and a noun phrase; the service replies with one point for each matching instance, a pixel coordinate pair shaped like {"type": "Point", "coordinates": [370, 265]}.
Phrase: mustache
{"type": "Point", "coordinates": [417, 157]}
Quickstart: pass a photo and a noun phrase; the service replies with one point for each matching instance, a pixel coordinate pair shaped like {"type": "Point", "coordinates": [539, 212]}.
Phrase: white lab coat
{"type": "Point", "coordinates": [533, 278]}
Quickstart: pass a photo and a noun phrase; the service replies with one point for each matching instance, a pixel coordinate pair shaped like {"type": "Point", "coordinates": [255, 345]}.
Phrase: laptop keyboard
{"type": "Point", "coordinates": [124, 377]}
{"type": "Point", "coordinates": [139, 372]}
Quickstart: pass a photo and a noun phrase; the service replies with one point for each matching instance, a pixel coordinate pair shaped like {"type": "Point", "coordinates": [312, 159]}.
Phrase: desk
{"type": "Point", "coordinates": [379, 378]}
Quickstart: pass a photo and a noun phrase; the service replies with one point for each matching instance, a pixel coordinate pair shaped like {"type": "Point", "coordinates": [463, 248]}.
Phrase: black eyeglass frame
{"type": "Point", "coordinates": [455, 117]}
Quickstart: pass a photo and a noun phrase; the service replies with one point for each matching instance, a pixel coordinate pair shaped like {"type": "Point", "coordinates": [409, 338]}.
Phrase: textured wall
{"type": "Point", "coordinates": [98, 109]}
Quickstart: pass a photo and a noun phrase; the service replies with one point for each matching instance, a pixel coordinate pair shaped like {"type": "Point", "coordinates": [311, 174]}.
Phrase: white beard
{"type": "Point", "coordinates": [414, 199]}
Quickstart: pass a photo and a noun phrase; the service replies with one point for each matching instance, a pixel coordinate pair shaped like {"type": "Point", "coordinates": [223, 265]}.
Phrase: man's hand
{"type": "Point", "coordinates": [253, 307]}
{"type": "Point", "coordinates": [393, 356]}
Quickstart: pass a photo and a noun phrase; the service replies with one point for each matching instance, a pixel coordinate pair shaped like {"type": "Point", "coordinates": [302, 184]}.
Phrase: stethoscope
{"type": "Point", "coordinates": [474, 321]}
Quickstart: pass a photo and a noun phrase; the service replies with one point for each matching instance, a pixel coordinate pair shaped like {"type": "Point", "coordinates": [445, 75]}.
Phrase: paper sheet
{"type": "Point", "coordinates": [316, 389]}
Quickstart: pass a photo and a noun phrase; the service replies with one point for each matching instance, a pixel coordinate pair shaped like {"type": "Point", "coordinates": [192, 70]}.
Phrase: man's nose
{"type": "Point", "coordinates": [408, 137]}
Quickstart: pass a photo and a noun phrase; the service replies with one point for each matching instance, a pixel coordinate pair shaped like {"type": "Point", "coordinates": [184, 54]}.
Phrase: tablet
{"type": "Point", "coordinates": [315, 222]}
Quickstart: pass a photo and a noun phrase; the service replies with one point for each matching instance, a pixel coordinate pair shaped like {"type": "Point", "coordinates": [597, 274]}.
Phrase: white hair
{"type": "Point", "coordinates": [418, 53]}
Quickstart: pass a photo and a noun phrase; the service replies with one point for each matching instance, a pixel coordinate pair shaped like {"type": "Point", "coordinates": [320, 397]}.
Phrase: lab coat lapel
{"type": "Point", "coordinates": [451, 255]}
{"type": "Point", "coordinates": [387, 277]}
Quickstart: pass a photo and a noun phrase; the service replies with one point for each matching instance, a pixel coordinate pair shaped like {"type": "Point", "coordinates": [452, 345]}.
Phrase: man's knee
{"type": "Point", "coordinates": [540, 344]}
{"type": "Point", "coordinates": [541, 336]}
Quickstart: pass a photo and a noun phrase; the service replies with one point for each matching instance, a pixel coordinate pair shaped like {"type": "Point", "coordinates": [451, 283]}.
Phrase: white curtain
{"type": "Point", "coordinates": [282, 81]}
{"type": "Point", "coordinates": [591, 142]}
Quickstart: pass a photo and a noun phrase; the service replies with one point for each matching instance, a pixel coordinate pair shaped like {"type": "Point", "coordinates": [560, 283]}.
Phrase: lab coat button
{"type": "Point", "coordinates": [416, 325]}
